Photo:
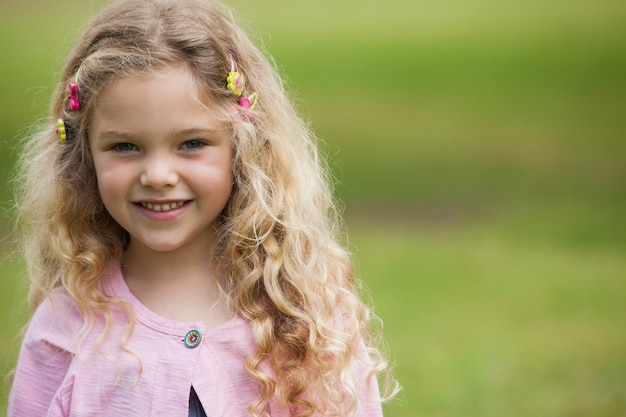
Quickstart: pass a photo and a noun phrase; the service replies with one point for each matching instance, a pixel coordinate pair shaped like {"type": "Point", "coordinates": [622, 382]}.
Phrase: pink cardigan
{"type": "Point", "coordinates": [56, 377]}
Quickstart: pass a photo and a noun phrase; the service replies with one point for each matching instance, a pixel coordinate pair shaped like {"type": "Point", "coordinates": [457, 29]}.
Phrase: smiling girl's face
{"type": "Point", "coordinates": [163, 160]}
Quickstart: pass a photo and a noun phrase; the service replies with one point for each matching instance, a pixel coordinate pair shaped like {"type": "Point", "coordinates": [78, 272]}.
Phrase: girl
{"type": "Point", "coordinates": [181, 236]}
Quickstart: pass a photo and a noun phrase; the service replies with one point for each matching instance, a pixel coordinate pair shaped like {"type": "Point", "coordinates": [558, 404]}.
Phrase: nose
{"type": "Point", "coordinates": [158, 172]}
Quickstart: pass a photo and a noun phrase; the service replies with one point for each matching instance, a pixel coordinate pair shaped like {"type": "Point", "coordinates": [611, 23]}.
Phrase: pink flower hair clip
{"type": "Point", "coordinates": [235, 82]}
{"type": "Point", "coordinates": [72, 96]}
{"type": "Point", "coordinates": [247, 103]}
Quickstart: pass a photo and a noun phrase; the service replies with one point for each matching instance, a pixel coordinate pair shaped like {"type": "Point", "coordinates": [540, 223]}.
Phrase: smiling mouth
{"type": "Point", "coordinates": [163, 207]}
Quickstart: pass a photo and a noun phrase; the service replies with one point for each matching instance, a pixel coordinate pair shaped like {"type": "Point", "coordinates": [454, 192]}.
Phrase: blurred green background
{"type": "Point", "coordinates": [479, 148]}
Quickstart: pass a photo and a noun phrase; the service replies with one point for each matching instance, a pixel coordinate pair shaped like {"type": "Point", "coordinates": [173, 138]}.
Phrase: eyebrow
{"type": "Point", "coordinates": [121, 134]}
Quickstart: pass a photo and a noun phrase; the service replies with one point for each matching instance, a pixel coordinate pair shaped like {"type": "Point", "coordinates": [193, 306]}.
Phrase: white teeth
{"type": "Point", "coordinates": [163, 207]}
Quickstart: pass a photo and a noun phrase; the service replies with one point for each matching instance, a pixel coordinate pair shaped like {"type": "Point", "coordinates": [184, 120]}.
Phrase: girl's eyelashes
{"type": "Point", "coordinates": [193, 144]}
{"type": "Point", "coordinates": [124, 147]}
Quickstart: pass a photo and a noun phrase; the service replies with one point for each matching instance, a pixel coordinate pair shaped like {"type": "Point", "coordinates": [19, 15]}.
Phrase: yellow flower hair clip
{"type": "Point", "coordinates": [61, 130]}
{"type": "Point", "coordinates": [234, 81]}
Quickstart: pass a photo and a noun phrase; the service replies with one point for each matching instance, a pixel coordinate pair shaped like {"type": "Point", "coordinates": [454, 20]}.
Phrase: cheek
{"type": "Point", "coordinates": [214, 172]}
{"type": "Point", "coordinates": [215, 180]}
{"type": "Point", "coordinates": [113, 181]}
{"type": "Point", "coordinates": [111, 197]}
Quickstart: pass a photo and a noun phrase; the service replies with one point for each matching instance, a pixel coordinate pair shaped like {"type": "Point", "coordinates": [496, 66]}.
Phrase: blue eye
{"type": "Point", "coordinates": [193, 144]}
{"type": "Point", "coordinates": [124, 147]}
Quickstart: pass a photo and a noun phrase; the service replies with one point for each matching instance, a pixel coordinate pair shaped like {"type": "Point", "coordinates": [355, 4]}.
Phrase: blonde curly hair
{"type": "Point", "coordinates": [278, 245]}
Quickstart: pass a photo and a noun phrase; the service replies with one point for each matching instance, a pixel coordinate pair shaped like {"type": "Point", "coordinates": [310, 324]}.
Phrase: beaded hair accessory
{"type": "Point", "coordinates": [235, 82]}
{"type": "Point", "coordinates": [72, 105]}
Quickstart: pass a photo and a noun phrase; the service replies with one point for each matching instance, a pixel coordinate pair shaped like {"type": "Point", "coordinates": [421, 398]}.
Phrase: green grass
{"type": "Point", "coordinates": [481, 325]}
{"type": "Point", "coordinates": [479, 148]}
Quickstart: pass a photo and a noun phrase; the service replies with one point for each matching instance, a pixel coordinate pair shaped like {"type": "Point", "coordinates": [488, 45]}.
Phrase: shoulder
{"type": "Point", "coordinates": [45, 358]}
{"type": "Point", "coordinates": [56, 322]}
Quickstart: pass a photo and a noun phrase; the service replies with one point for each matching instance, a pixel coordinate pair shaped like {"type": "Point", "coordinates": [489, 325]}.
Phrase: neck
{"type": "Point", "coordinates": [188, 263]}
{"type": "Point", "coordinates": [179, 285]}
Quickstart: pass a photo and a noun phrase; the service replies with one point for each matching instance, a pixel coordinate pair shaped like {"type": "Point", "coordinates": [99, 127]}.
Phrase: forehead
{"type": "Point", "coordinates": [155, 103]}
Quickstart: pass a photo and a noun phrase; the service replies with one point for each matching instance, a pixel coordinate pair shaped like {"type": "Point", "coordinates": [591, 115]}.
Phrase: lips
{"type": "Point", "coordinates": [169, 206]}
{"type": "Point", "coordinates": [162, 211]}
